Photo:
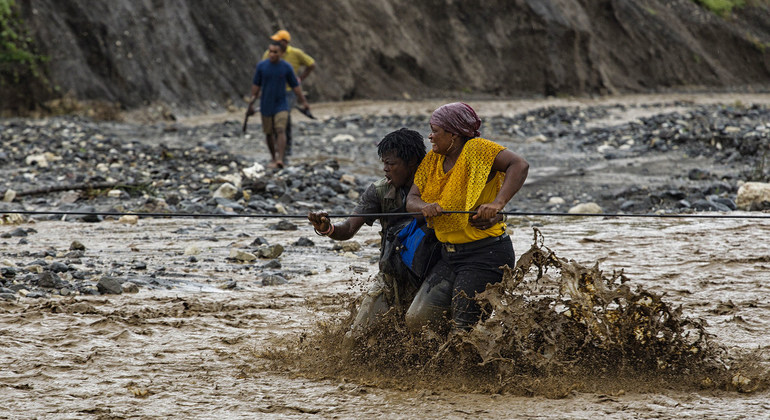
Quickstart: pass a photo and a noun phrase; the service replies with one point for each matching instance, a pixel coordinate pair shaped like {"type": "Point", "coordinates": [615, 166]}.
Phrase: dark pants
{"type": "Point", "coordinates": [469, 268]}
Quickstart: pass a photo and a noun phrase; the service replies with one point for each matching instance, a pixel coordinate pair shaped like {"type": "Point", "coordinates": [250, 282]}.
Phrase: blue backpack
{"type": "Point", "coordinates": [418, 249]}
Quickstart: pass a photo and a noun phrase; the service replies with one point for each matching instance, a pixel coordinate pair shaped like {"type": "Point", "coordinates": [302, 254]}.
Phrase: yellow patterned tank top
{"type": "Point", "coordinates": [463, 188]}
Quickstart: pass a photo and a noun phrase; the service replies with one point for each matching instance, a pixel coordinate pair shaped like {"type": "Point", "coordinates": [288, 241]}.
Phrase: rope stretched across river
{"type": "Point", "coordinates": [345, 215]}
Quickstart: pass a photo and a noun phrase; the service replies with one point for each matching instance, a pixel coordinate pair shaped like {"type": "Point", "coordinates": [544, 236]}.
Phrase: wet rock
{"type": "Point", "coordinates": [140, 265]}
{"type": "Point", "coordinates": [284, 225]}
{"type": "Point", "coordinates": [8, 296]}
{"type": "Point", "coordinates": [192, 259]}
{"type": "Point", "coordinates": [8, 272]}
{"type": "Point", "coordinates": [698, 174]}
{"type": "Point", "coordinates": [109, 286]}
{"type": "Point", "coordinates": [226, 190]}
{"type": "Point", "coordinates": [304, 241]}
{"type": "Point", "coordinates": [347, 246]}
{"type": "Point", "coordinates": [272, 264]}
{"type": "Point", "coordinates": [48, 280]}
{"type": "Point", "coordinates": [708, 205]}
{"type": "Point", "coordinates": [77, 246]}
{"type": "Point", "coordinates": [229, 285]}
{"type": "Point", "coordinates": [129, 287]}
{"type": "Point", "coordinates": [18, 232]}
{"type": "Point", "coordinates": [259, 241]}
{"type": "Point", "coordinates": [58, 267]}
{"type": "Point", "coordinates": [273, 280]}
{"type": "Point", "coordinates": [242, 256]}
{"type": "Point", "coordinates": [89, 218]}
{"type": "Point", "coordinates": [753, 196]}
{"type": "Point", "coordinates": [228, 204]}
{"type": "Point", "coordinates": [269, 251]}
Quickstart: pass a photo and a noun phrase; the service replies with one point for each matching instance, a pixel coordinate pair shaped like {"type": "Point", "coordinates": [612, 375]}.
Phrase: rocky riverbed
{"type": "Point", "coordinates": [86, 295]}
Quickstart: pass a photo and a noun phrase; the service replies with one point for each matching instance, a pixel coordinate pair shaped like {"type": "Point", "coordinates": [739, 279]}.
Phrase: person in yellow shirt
{"type": "Point", "coordinates": [463, 172]}
{"type": "Point", "coordinates": [299, 60]}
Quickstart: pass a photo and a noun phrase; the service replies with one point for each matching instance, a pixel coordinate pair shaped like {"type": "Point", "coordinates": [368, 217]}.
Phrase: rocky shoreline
{"type": "Point", "coordinates": [670, 157]}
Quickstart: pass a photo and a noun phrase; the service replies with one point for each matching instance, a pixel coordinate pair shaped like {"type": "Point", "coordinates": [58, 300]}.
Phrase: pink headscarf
{"type": "Point", "coordinates": [457, 118]}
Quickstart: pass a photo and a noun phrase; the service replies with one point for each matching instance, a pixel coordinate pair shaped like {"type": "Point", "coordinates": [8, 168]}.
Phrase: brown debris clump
{"type": "Point", "coordinates": [550, 327]}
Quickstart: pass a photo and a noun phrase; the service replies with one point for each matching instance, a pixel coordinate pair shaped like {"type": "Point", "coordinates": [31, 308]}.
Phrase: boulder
{"type": "Point", "coordinates": [753, 196]}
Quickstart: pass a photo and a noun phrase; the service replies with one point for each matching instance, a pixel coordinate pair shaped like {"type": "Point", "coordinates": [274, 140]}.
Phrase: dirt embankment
{"type": "Point", "coordinates": [192, 54]}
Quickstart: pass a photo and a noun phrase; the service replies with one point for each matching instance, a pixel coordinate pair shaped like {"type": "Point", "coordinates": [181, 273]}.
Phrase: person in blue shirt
{"type": "Point", "coordinates": [269, 85]}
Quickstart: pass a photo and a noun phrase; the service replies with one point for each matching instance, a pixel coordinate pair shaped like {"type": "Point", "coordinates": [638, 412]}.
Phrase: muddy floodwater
{"type": "Point", "coordinates": [187, 344]}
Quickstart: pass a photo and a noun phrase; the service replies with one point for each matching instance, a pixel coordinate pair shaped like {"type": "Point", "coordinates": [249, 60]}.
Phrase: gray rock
{"type": "Point", "coordinates": [284, 225]}
{"type": "Point", "coordinates": [706, 205]}
{"type": "Point", "coordinates": [48, 279]}
{"type": "Point", "coordinates": [18, 232]}
{"type": "Point", "coordinates": [129, 287]}
{"type": "Point", "coordinates": [347, 246]}
{"type": "Point", "coordinates": [8, 296]}
{"type": "Point", "coordinates": [272, 264]}
{"type": "Point", "coordinates": [77, 246]}
{"type": "Point", "coordinates": [273, 280]}
{"type": "Point", "coordinates": [304, 241]}
{"type": "Point", "coordinates": [58, 267]}
{"type": "Point", "coordinates": [109, 286]}
{"type": "Point", "coordinates": [269, 251]}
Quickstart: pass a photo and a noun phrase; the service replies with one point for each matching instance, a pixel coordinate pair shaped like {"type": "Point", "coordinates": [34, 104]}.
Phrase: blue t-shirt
{"type": "Point", "coordinates": [272, 79]}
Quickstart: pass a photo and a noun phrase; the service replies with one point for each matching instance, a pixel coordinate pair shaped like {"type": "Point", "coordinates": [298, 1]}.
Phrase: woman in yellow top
{"type": "Point", "coordinates": [463, 172]}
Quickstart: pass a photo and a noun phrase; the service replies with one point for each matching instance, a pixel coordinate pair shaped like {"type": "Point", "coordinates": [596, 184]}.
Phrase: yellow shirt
{"type": "Point", "coordinates": [296, 57]}
{"type": "Point", "coordinates": [463, 188]}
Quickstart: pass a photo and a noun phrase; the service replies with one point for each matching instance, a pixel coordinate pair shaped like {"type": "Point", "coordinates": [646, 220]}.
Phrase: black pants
{"type": "Point", "coordinates": [454, 282]}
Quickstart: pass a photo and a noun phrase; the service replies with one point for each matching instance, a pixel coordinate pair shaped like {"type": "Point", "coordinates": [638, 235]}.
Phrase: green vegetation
{"type": "Point", "coordinates": [721, 7]}
{"type": "Point", "coordinates": [17, 53]}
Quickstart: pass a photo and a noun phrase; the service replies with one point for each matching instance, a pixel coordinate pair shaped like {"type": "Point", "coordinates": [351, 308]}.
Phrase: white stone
{"type": "Point", "coordinates": [9, 196]}
{"type": "Point", "coordinates": [226, 190]}
{"type": "Point", "coordinates": [234, 179]}
{"type": "Point", "coordinates": [102, 167]}
{"type": "Point", "coordinates": [555, 201]}
{"type": "Point", "coordinates": [128, 219]}
{"type": "Point", "coordinates": [192, 250]}
{"type": "Point", "coordinates": [339, 138]}
{"type": "Point", "coordinates": [39, 160]}
{"type": "Point", "coordinates": [244, 256]}
{"type": "Point", "coordinates": [752, 193]}
{"type": "Point", "coordinates": [255, 171]}
{"type": "Point", "coordinates": [348, 179]}
{"type": "Point", "coordinates": [586, 208]}
{"type": "Point", "coordinates": [114, 193]}
{"type": "Point", "coordinates": [540, 138]}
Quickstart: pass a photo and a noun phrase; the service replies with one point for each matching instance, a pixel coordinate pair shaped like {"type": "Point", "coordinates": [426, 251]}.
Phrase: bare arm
{"type": "Point", "coordinates": [254, 95]}
{"type": "Point", "coordinates": [342, 231]}
{"type": "Point", "coordinates": [414, 203]}
{"type": "Point", "coordinates": [298, 91]}
{"type": "Point", "coordinates": [306, 72]}
{"type": "Point", "coordinates": [516, 169]}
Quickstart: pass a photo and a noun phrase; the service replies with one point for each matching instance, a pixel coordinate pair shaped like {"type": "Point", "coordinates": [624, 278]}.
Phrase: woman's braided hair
{"type": "Point", "coordinates": [408, 145]}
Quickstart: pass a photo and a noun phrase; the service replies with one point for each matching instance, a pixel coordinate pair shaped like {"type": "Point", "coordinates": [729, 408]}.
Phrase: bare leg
{"type": "Point", "coordinates": [270, 140]}
{"type": "Point", "coordinates": [280, 148]}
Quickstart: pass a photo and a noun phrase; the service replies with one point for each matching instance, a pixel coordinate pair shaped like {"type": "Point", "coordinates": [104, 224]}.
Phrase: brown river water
{"type": "Point", "coordinates": [193, 349]}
